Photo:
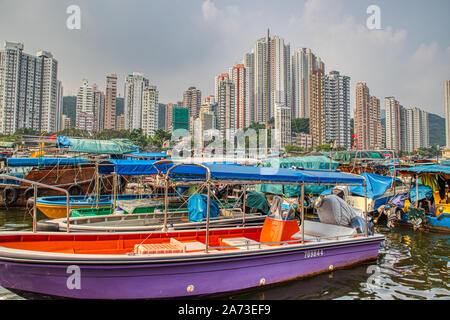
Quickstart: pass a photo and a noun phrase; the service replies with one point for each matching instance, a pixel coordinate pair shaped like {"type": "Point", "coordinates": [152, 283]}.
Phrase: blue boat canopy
{"type": "Point", "coordinates": [191, 172]}
{"type": "Point", "coordinates": [266, 174]}
{"type": "Point", "coordinates": [376, 186]}
{"type": "Point", "coordinates": [149, 156]}
{"type": "Point", "coordinates": [431, 168]}
{"type": "Point", "coordinates": [34, 162]}
{"type": "Point", "coordinates": [132, 167]}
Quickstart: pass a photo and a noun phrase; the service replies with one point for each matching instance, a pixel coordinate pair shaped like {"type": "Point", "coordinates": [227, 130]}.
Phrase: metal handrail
{"type": "Point", "coordinates": [38, 184]}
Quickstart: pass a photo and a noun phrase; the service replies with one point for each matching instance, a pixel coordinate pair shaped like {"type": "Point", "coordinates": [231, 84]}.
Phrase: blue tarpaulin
{"type": "Point", "coordinates": [132, 167]}
{"type": "Point", "coordinates": [376, 186]}
{"type": "Point", "coordinates": [432, 168]}
{"type": "Point", "coordinates": [198, 205]}
{"type": "Point", "coordinates": [229, 172]}
{"type": "Point", "coordinates": [33, 162]}
{"type": "Point", "coordinates": [149, 156]}
{"type": "Point", "coordinates": [424, 192]}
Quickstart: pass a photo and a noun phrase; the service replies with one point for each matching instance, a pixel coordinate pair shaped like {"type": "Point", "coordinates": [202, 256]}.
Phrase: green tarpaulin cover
{"type": "Point", "coordinates": [113, 146]}
{"type": "Point", "coordinates": [308, 162]}
{"type": "Point", "coordinates": [258, 201]}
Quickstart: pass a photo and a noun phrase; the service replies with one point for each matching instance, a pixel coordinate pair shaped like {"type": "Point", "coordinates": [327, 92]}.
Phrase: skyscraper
{"type": "Point", "coordinates": [395, 125]}
{"type": "Point", "coordinates": [282, 126]}
{"type": "Point", "coordinates": [85, 107]}
{"type": "Point", "coordinates": [367, 122]}
{"type": "Point", "coordinates": [272, 83]}
{"type": "Point", "coordinates": [303, 63]}
{"type": "Point", "coordinates": [249, 64]}
{"type": "Point", "coordinates": [29, 90]}
{"type": "Point", "coordinates": [99, 108]}
{"type": "Point", "coordinates": [447, 111]}
{"type": "Point", "coordinates": [192, 99]}
{"type": "Point", "coordinates": [239, 77]}
{"type": "Point", "coordinates": [110, 102]}
{"type": "Point", "coordinates": [317, 107]}
{"type": "Point", "coordinates": [150, 108]}
{"type": "Point", "coordinates": [417, 129]}
{"type": "Point", "coordinates": [168, 121]}
{"type": "Point", "coordinates": [337, 109]}
{"type": "Point", "coordinates": [226, 118]}
{"type": "Point", "coordinates": [134, 88]}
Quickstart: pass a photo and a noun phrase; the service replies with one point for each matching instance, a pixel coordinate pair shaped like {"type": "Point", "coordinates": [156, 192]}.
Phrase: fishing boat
{"type": "Point", "coordinates": [142, 265]}
{"type": "Point", "coordinates": [73, 174]}
{"type": "Point", "coordinates": [426, 206]}
{"type": "Point", "coordinates": [380, 189]}
{"type": "Point", "coordinates": [56, 206]}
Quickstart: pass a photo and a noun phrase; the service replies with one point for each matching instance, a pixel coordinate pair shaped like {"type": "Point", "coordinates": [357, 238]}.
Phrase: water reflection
{"type": "Point", "coordinates": [411, 265]}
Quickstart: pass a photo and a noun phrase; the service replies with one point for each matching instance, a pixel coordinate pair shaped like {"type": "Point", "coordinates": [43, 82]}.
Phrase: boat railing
{"type": "Point", "coordinates": [259, 245]}
{"type": "Point", "coordinates": [209, 182]}
{"type": "Point", "coordinates": [35, 186]}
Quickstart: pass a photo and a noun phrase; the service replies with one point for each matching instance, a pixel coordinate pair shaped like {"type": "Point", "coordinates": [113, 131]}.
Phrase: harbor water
{"type": "Point", "coordinates": [411, 265]}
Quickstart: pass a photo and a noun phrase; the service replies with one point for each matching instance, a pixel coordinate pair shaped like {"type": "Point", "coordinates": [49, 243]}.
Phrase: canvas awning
{"type": "Point", "coordinates": [33, 162]}
{"type": "Point", "coordinates": [113, 146]}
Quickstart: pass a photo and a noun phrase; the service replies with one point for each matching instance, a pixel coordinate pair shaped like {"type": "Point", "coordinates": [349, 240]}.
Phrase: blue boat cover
{"type": "Point", "coordinates": [33, 162]}
{"type": "Point", "coordinates": [424, 192]}
{"type": "Point", "coordinates": [432, 168]}
{"type": "Point", "coordinates": [150, 156]}
{"type": "Point", "coordinates": [228, 172]}
{"type": "Point", "coordinates": [132, 167]}
{"type": "Point", "coordinates": [198, 206]}
{"type": "Point", "coordinates": [376, 186]}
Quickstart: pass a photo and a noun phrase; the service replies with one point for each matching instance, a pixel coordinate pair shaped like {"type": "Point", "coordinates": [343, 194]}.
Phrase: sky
{"type": "Point", "coordinates": [182, 43]}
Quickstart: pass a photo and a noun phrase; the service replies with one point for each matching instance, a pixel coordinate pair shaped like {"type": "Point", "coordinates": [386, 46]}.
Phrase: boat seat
{"type": "Point", "coordinates": [241, 243]}
{"type": "Point", "coordinates": [174, 246]}
{"type": "Point", "coordinates": [194, 246]}
{"type": "Point", "coordinates": [325, 230]}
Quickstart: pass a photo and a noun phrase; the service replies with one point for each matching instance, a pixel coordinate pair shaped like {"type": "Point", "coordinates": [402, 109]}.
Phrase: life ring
{"type": "Point", "coordinates": [9, 195]}
{"type": "Point", "coordinates": [29, 193]}
{"type": "Point", "coordinates": [75, 190]}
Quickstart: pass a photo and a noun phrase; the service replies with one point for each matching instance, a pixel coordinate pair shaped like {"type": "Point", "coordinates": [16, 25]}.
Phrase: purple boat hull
{"type": "Point", "coordinates": [200, 274]}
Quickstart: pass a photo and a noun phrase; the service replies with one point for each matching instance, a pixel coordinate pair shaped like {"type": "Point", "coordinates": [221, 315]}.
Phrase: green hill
{"type": "Point", "coordinates": [437, 129]}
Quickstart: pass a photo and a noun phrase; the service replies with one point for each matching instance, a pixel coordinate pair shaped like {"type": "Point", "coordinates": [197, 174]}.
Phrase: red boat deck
{"type": "Point", "coordinates": [119, 243]}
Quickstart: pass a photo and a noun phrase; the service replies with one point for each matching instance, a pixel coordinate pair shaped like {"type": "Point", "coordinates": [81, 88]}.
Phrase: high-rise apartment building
{"type": "Point", "coordinates": [303, 63]}
{"type": "Point", "coordinates": [395, 125]}
{"type": "Point", "coordinates": [168, 119]}
{"type": "Point", "coordinates": [447, 111]}
{"type": "Point", "coordinates": [282, 126]}
{"type": "Point", "coordinates": [417, 129]}
{"type": "Point", "coordinates": [226, 118]}
{"type": "Point", "coordinates": [150, 108]}
{"type": "Point", "coordinates": [249, 64]}
{"type": "Point", "coordinates": [238, 75]}
{"type": "Point", "coordinates": [192, 99]}
{"type": "Point", "coordinates": [272, 76]}
{"type": "Point", "coordinates": [317, 107]}
{"type": "Point", "coordinates": [29, 90]}
{"type": "Point", "coordinates": [367, 121]}
{"type": "Point", "coordinates": [85, 107]}
{"type": "Point", "coordinates": [134, 89]}
{"type": "Point", "coordinates": [110, 102]}
{"type": "Point", "coordinates": [99, 108]}
{"type": "Point", "coordinates": [337, 109]}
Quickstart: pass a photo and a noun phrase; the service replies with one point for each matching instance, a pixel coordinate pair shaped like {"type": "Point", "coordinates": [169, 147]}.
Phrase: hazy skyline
{"type": "Point", "coordinates": [179, 43]}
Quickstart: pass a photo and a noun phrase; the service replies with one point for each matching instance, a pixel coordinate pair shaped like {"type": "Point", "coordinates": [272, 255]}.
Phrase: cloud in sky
{"type": "Point", "coordinates": [180, 43]}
